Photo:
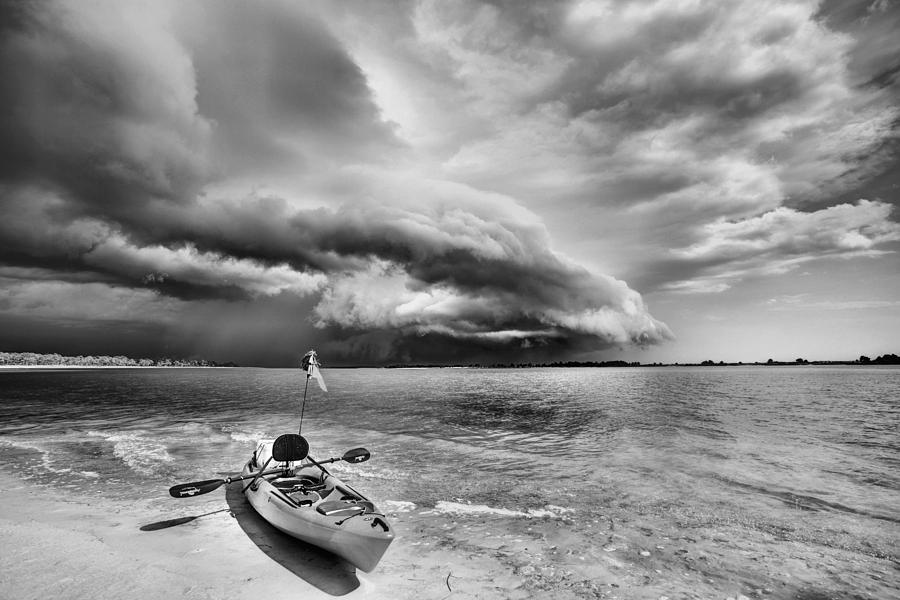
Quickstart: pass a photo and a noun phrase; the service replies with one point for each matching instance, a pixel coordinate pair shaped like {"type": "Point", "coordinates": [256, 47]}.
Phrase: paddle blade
{"type": "Point", "coordinates": [356, 455]}
{"type": "Point", "coordinates": [187, 490]}
{"type": "Point", "coordinates": [290, 447]}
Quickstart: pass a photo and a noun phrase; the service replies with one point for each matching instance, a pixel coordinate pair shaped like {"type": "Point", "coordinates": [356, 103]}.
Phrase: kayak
{"type": "Point", "coordinates": [307, 502]}
{"type": "Point", "coordinates": [297, 494]}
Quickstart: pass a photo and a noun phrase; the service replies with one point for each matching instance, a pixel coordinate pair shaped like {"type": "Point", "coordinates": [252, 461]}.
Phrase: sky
{"type": "Point", "coordinates": [450, 182]}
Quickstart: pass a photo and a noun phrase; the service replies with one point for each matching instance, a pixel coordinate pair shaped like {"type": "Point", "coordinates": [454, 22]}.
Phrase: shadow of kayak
{"type": "Point", "coordinates": [315, 566]}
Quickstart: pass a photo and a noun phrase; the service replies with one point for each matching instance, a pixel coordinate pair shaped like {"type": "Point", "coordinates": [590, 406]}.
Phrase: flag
{"type": "Point", "coordinates": [310, 364]}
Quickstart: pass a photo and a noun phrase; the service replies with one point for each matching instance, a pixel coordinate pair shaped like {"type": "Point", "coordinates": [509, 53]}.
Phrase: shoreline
{"type": "Point", "coordinates": [87, 545]}
{"type": "Point", "coordinates": [62, 544]}
{"type": "Point", "coordinates": [99, 551]}
{"type": "Point", "coordinates": [491, 367]}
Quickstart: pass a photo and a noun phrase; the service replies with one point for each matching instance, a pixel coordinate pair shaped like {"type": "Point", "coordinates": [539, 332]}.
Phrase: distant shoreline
{"type": "Point", "coordinates": [30, 360]}
{"type": "Point", "coordinates": [55, 367]}
{"type": "Point", "coordinates": [59, 361]}
{"type": "Point", "coordinates": [825, 363]}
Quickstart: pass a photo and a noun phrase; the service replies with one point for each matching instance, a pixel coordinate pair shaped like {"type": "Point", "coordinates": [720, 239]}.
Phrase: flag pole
{"type": "Point", "coordinates": [303, 407]}
{"type": "Point", "coordinates": [310, 364]}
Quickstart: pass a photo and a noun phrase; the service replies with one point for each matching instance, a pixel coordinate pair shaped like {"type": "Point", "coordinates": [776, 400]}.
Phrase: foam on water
{"type": "Point", "coordinates": [398, 506]}
{"type": "Point", "coordinates": [459, 508]}
{"type": "Point", "coordinates": [366, 471]}
{"type": "Point", "coordinates": [241, 434]}
{"type": "Point", "coordinates": [42, 448]}
{"type": "Point", "coordinates": [141, 453]}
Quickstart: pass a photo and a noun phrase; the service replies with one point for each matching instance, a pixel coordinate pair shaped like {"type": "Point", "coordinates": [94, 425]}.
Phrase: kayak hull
{"type": "Point", "coordinates": [334, 517]}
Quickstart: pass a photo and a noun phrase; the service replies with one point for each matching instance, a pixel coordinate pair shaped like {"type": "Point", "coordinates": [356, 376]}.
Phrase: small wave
{"type": "Point", "coordinates": [193, 430]}
{"type": "Point", "coordinates": [193, 427]}
{"type": "Point", "coordinates": [141, 454]}
{"type": "Point", "coordinates": [398, 506]}
{"type": "Point", "coordinates": [41, 448]}
{"type": "Point", "coordinates": [367, 472]}
{"type": "Point", "coordinates": [549, 511]}
{"type": "Point", "coordinates": [804, 501]}
{"type": "Point", "coordinates": [243, 436]}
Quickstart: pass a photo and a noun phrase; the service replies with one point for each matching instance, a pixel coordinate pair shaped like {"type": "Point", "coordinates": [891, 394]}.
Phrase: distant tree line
{"type": "Point", "coordinates": [568, 364]}
{"type": "Point", "coordinates": [33, 359]}
{"type": "Point", "coordinates": [887, 359]}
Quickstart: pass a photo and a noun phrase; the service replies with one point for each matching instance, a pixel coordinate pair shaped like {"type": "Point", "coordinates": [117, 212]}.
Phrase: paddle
{"type": "Point", "coordinates": [196, 488]}
{"type": "Point", "coordinates": [356, 455]}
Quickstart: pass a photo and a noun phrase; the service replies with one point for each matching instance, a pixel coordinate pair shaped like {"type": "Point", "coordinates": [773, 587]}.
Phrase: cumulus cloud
{"type": "Point", "coordinates": [782, 239]}
{"type": "Point", "coordinates": [385, 297]}
{"type": "Point", "coordinates": [675, 114]}
{"type": "Point", "coordinates": [838, 229]}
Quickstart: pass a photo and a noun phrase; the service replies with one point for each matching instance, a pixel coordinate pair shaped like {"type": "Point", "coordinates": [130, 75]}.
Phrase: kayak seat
{"type": "Point", "coordinates": [311, 483]}
{"type": "Point", "coordinates": [304, 498]}
{"type": "Point", "coordinates": [287, 483]}
{"type": "Point", "coordinates": [336, 508]}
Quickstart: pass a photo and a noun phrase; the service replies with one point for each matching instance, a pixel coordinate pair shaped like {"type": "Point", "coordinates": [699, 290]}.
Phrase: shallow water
{"type": "Point", "coordinates": [687, 477]}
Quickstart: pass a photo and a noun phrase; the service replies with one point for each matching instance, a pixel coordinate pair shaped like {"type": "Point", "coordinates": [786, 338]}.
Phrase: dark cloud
{"type": "Point", "coordinates": [137, 142]}
{"type": "Point", "coordinates": [670, 122]}
{"type": "Point", "coordinates": [280, 88]}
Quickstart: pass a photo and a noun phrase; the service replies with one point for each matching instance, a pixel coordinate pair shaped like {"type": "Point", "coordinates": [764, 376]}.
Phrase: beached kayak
{"type": "Point", "coordinates": [312, 505]}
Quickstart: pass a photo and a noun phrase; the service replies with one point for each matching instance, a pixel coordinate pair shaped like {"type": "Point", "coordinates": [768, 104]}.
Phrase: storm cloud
{"type": "Point", "coordinates": [158, 159]}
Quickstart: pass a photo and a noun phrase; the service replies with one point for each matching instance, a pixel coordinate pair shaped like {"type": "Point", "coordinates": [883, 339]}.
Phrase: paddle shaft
{"type": "Point", "coordinates": [303, 407]}
{"type": "Point", "coordinates": [196, 488]}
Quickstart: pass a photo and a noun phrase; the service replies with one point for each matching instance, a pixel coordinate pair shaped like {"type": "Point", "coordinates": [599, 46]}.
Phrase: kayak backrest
{"type": "Point", "coordinates": [290, 447]}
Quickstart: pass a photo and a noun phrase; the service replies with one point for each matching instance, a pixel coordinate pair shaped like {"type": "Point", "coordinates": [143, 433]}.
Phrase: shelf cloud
{"type": "Point", "coordinates": [130, 133]}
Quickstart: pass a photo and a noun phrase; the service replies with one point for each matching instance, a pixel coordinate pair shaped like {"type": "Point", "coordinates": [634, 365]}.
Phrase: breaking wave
{"type": "Point", "coordinates": [548, 511]}
{"type": "Point", "coordinates": [142, 454]}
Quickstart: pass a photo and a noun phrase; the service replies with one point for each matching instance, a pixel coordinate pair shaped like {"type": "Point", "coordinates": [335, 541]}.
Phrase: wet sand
{"type": "Point", "coordinates": [70, 546]}
{"type": "Point", "coordinates": [77, 547]}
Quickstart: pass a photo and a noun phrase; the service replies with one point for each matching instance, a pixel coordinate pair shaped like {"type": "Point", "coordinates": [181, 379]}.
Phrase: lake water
{"type": "Point", "coordinates": [776, 482]}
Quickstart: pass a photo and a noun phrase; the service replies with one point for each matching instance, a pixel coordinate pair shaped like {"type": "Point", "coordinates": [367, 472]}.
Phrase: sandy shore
{"type": "Point", "coordinates": [76, 547]}
{"type": "Point", "coordinates": [64, 545]}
